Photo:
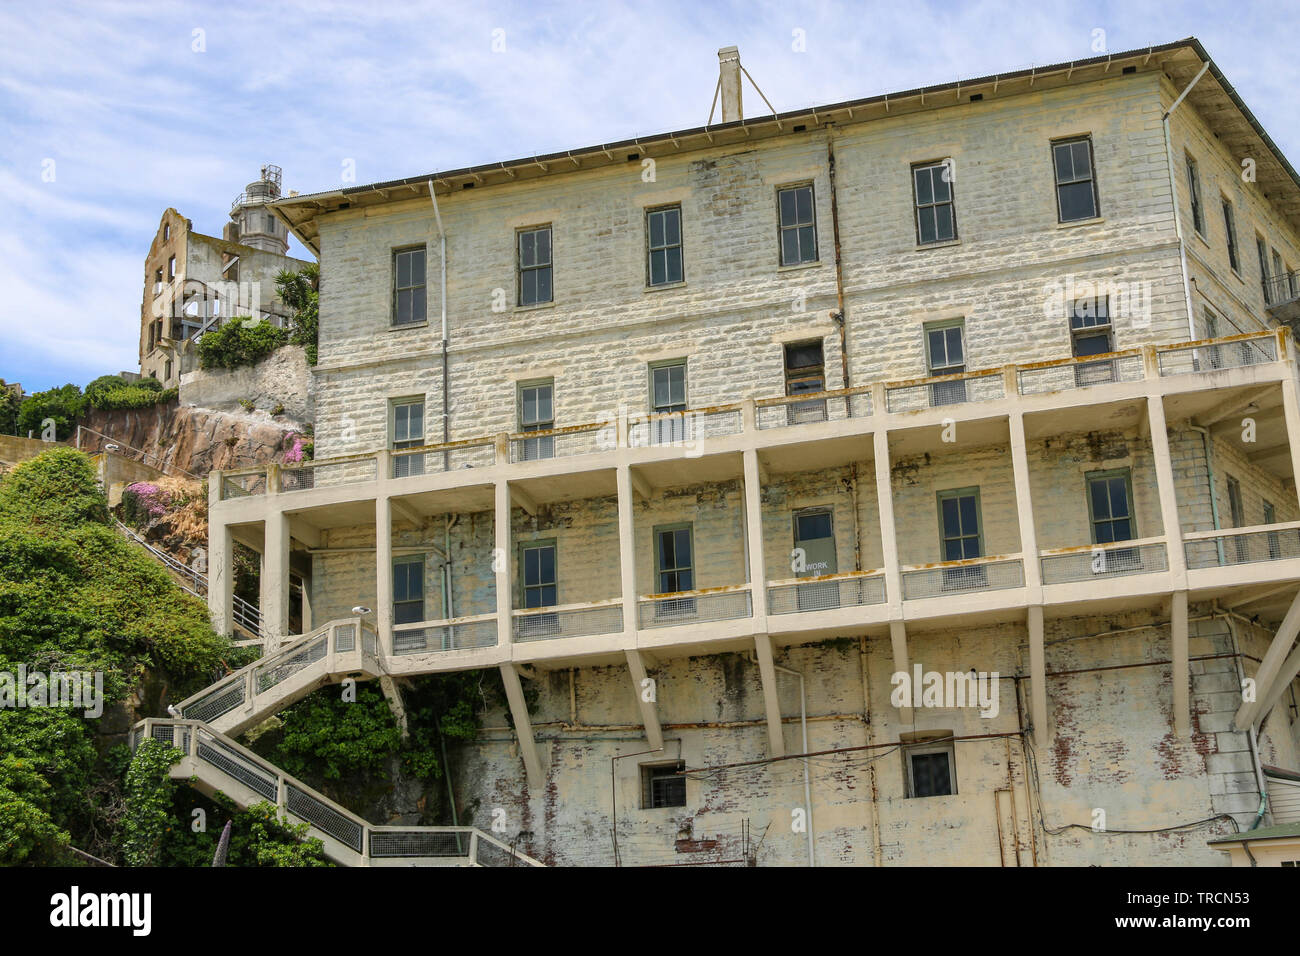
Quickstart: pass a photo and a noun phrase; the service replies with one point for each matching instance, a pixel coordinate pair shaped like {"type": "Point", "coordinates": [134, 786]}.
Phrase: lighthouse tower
{"type": "Point", "coordinates": [251, 221]}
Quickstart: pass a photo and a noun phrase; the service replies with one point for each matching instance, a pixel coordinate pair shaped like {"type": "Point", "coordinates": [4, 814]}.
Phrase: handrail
{"type": "Point", "coordinates": [1089, 548]}
{"type": "Point", "coordinates": [561, 608]}
{"type": "Point", "coordinates": [963, 563]}
{"type": "Point", "coordinates": [840, 576]}
{"type": "Point", "coordinates": [490, 440]}
{"type": "Point", "coordinates": [698, 592]}
{"type": "Point", "coordinates": [1229, 532]}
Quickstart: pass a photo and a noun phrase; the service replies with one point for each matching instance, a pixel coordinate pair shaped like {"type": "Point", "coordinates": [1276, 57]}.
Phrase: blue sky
{"type": "Point", "coordinates": [136, 117]}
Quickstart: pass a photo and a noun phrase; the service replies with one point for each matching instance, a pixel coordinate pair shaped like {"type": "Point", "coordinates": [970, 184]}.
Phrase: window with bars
{"type": "Point", "coordinates": [1091, 333]}
{"type": "Point", "coordinates": [535, 266]}
{"type": "Point", "coordinates": [797, 224]}
{"type": "Point", "coordinates": [408, 590]}
{"type": "Point", "coordinates": [805, 374]}
{"type": "Point", "coordinates": [664, 245]}
{"type": "Point", "coordinates": [409, 286]}
{"type": "Point", "coordinates": [1076, 184]}
{"type": "Point", "coordinates": [945, 354]}
{"type": "Point", "coordinates": [668, 395]}
{"type": "Point", "coordinates": [537, 414]}
{"type": "Point", "coordinates": [1194, 192]}
{"type": "Point", "coordinates": [408, 432]}
{"type": "Point", "coordinates": [932, 191]}
{"type": "Point", "coordinates": [663, 785]}
{"type": "Point", "coordinates": [931, 769]}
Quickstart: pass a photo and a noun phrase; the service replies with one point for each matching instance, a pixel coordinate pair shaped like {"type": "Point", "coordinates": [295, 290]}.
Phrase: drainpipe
{"type": "Point", "coordinates": [807, 785]}
{"type": "Point", "coordinates": [1209, 471]}
{"type": "Point", "coordinates": [1250, 734]}
{"type": "Point", "coordinates": [1173, 196]}
{"type": "Point", "coordinates": [839, 268]}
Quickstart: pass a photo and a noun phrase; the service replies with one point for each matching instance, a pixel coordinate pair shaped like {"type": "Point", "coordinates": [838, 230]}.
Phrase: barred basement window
{"type": "Point", "coordinates": [931, 767]}
{"type": "Point", "coordinates": [1076, 185]}
{"type": "Point", "coordinates": [932, 191]}
{"type": "Point", "coordinates": [662, 785]}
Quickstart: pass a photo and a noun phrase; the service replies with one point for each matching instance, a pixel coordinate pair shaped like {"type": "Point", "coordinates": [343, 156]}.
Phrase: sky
{"type": "Point", "coordinates": [110, 112]}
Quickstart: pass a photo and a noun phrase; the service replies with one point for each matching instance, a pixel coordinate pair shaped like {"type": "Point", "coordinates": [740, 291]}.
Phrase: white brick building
{"type": "Point", "coordinates": [718, 430]}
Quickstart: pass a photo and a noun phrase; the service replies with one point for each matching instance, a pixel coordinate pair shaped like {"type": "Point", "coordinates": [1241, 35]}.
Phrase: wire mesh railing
{"type": "Point", "coordinates": [695, 607]}
{"type": "Point", "coordinates": [585, 620]}
{"type": "Point", "coordinates": [1212, 355]}
{"type": "Point", "coordinates": [459, 634]}
{"type": "Point", "coordinates": [830, 406]}
{"type": "Point", "coordinates": [963, 577]}
{"type": "Point", "coordinates": [852, 589]}
{"type": "Point", "coordinates": [1066, 374]}
{"type": "Point", "coordinates": [1221, 549]}
{"type": "Point", "coordinates": [1102, 561]}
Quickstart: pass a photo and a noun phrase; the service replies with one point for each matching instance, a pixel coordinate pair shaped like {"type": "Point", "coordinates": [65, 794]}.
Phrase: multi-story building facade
{"type": "Point", "coordinates": [193, 282]}
{"type": "Point", "coordinates": [709, 437]}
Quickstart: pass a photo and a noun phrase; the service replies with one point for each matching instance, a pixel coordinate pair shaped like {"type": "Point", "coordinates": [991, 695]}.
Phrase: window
{"type": "Point", "coordinates": [1261, 249]}
{"type": "Point", "coordinates": [408, 602]}
{"type": "Point", "coordinates": [535, 266]}
{"type": "Point", "coordinates": [1230, 231]}
{"type": "Point", "coordinates": [1278, 276]}
{"type": "Point", "coordinates": [538, 582]}
{"type": "Point", "coordinates": [1091, 334]}
{"type": "Point", "coordinates": [936, 220]}
{"type": "Point", "coordinates": [408, 432]}
{"type": "Point", "coordinates": [663, 785]}
{"type": "Point", "coordinates": [798, 225]}
{"type": "Point", "coordinates": [1274, 539]}
{"type": "Point", "coordinates": [171, 268]}
{"type": "Point", "coordinates": [537, 414]}
{"type": "Point", "coordinates": [805, 374]}
{"type": "Point", "coordinates": [270, 223]}
{"type": "Point", "coordinates": [664, 245]}
{"type": "Point", "coordinates": [930, 768]}
{"type": "Point", "coordinates": [1194, 191]}
{"type": "Point", "coordinates": [668, 395]}
{"type": "Point", "coordinates": [1076, 186]}
{"type": "Point", "coordinates": [1110, 506]}
{"type": "Point", "coordinates": [961, 538]}
{"type": "Point", "coordinates": [167, 232]}
{"type": "Point", "coordinates": [945, 354]}
{"type": "Point", "coordinates": [674, 569]}
{"type": "Point", "coordinates": [814, 533]}
{"type": "Point", "coordinates": [167, 370]}
{"type": "Point", "coordinates": [408, 287]}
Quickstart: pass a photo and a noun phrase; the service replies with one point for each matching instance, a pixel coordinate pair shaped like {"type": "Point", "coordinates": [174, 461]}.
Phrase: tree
{"type": "Point", "coordinates": [64, 404]}
{"type": "Point", "coordinates": [300, 291]}
{"type": "Point", "coordinates": [28, 835]}
{"type": "Point", "coordinates": [10, 400]}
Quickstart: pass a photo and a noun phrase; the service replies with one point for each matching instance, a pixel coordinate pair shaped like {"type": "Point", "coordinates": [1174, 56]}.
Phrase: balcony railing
{"type": "Point", "coordinates": [978, 386]}
{"type": "Point", "coordinates": [455, 634]}
{"type": "Point", "coordinates": [689, 428]}
{"type": "Point", "coordinates": [695, 607]}
{"type": "Point", "coordinates": [1218, 549]}
{"type": "Point", "coordinates": [1099, 561]}
{"type": "Point", "coordinates": [574, 620]}
{"type": "Point", "coordinates": [826, 592]}
{"type": "Point", "coordinates": [963, 577]}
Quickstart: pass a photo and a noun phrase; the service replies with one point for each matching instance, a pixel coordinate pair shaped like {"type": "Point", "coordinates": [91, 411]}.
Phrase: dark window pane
{"type": "Point", "coordinates": [674, 269]}
{"type": "Point", "coordinates": [789, 248]}
{"type": "Point", "coordinates": [656, 229]}
{"type": "Point", "coordinates": [1076, 202]}
{"type": "Point", "coordinates": [803, 197]}
{"type": "Point", "coordinates": [807, 244]}
{"type": "Point", "coordinates": [930, 775]}
{"type": "Point", "coordinates": [943, 223]}
{"type": "Point", "coordinates": [969, 523]}
{"type": "Point", "coordinates": [672, 227]}
{"type": "Point", "coordinates": [924, 192]}
{"type": "Point", "coordinates": [787, 207]}
{"type": "Point", "coordinates": [658, 267]}
{"type": "Point", "coordinates": [1064, 170]}
{"type": "Point", "coordinates": [951, 525]}
{"type": "Point", "coordinates": [927, 220]}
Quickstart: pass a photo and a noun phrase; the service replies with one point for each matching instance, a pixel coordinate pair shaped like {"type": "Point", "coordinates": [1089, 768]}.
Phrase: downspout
{"type": "Point", "coordinates": [1173, 198]}
{"type": "Point", "coordinates": [807, 785]}
{"type": "Point", "coordinates": [446, 402]}
{"type": "Point", "coordinates": [1250, 735]}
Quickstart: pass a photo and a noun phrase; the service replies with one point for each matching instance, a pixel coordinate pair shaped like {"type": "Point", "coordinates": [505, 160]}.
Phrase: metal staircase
{"type": "Point", "coordinates": [213, 762]}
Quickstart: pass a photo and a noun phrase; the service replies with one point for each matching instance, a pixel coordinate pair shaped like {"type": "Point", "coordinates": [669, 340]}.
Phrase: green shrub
{"type": "Point", "coordinates": [239, 342]}
{"type": "Point", "coordinates": [300, 291]}
{"type": "Point", "coordinates": [64, 404]}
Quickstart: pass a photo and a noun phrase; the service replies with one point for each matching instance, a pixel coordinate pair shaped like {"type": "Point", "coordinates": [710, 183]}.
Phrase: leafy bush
{"type": "Point", "coordinates": [64, 404]}
{"type": "Point", "coordinates": [10, 400]}
{"type": "Point", "coordinates": [300, 291]}
{"type": "Point", "coordinates": [149, 817]}
{"type": "Point", "coordinates": [28, 834]}
{"type": "Point", "coordinates": [240, 341]}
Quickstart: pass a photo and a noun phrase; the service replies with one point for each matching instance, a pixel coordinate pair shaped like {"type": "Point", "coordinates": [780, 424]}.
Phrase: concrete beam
{"type": "Point", "coordinates": [1269, 451]}
{"type": "Point", "coordinates": [221, 579]}
{"type": "Point", "coordinates": [885, 508]}
{"type": "Point", "coordinates": [1025, 509]}
{"type": "Point", "coordinates": [307, 534]}
{"type": "Point", "coordinates": [1181, 676]}
{"type": "Point", "coordinates": [1168, 491]}
{"type": "Point", "coordinates": [771, 700]}
{"type": "Point", "coordinates": [503, 564]}
{"type": "Point", "coordinates": [1227, 411]}
{"type": "Point", "coordinates": [393, 694]}
{"type": "Point", "coordinates": [406, 512]}
{"type": "Point", "coordinates": [523, 726]}
{"type": "Point", "coordinates": [1260, 595]}
{"type": "Point", "coordinates": [898, 641]}
{"type": "Point", "coordinates": [274, 583]}
{"type": "Point", "coordinates": [1289, 671]}
{"type": "Point", "coordinates": [1270, 667]}
{"type": "Point", "coordinates": [523, 499]}
{"type": "Point", "coordinates": [647, 699]}
{"type": "Point", "coordinates": [752, 504]}
{"type": "Point", "coordinates": [640, 485]}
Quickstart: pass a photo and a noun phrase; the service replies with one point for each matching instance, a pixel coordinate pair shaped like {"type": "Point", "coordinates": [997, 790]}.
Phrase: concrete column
{"type": "Point", "coordinates": [502, 563]}
{"type": "Point", "coordinates": [384, 572]}
{"type": "Point", "coordinates": [1181, 675]}
{"type": "Point", "coordinates": [898, 642]}
{"type": "Point", "coordinates": [523, 725]}
{"type": "Point", "coordinates": [753, 503]}
{"type": "Point", "coordinates": [1292, 412]}
{"type": "Point", "coordinates": [1168, 491]}
{"type": "Point", "coordinates": [275, 579]}
{"type": "Point", "coordinates": [888, 535]}
{"type": "Point", "coordinates": [729, 70]}
{"type": "Point", "coordinates": [627, 552]}
{"type": "Point", "coordinates": [221, 578]}
{"type": "Point", "coordinates": [1025, 509]}
{"type": "Point", "coordinates": [1038, 677]}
